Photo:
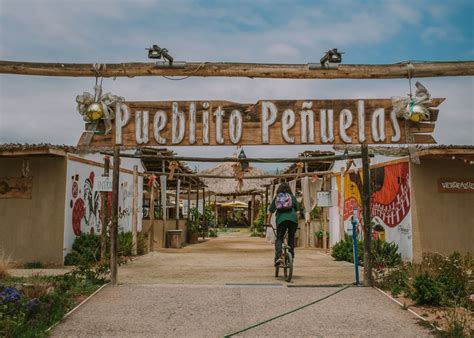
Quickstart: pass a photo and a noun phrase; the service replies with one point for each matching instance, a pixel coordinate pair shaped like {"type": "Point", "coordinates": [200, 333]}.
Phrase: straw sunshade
{"type": "Point", "coordinates": [227, 186]}
{"type": "Point", "coordinates": [235, 204]}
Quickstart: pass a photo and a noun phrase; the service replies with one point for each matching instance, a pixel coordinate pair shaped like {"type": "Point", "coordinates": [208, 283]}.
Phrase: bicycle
{"type": "Point", "coordinates": [286, 258]}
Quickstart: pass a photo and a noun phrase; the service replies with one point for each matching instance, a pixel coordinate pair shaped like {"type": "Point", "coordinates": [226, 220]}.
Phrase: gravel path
{"type": "Point", "coordinates": [215, 311]}
{"type": "Point", "coordinates": [223, 285]}
{"type": "Point", "coordinates": [232, 259]}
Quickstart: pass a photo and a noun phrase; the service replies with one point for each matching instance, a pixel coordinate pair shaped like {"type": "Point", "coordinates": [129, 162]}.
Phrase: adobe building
{"type": "Point", "coordinates": [48, 197]}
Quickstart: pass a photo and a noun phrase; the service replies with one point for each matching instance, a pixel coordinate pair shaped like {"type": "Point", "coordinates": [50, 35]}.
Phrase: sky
{"type": "Point", "coordinates": [42, 109]}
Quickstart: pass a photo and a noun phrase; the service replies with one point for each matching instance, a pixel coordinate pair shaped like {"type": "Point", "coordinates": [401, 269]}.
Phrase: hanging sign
{"type": "Point", "coordinates": [103, 183]}
{"type": "Point", "coordinates": [269, 122]}
{"type": "Point", "coordinates": [16, 187]}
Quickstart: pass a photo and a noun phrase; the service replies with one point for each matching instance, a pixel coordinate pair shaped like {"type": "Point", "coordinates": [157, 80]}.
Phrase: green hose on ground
{"type": "Point", "coordinates": [287, 313]}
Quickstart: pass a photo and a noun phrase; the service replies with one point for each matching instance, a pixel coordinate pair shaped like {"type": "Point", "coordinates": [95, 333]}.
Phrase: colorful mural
{"type": "Point", "coordinates": [84, 211]}
{"type": "Point", "coordinates": [390, 204]}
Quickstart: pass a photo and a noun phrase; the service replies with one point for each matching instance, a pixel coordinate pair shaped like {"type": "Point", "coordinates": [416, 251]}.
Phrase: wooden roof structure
{"type": "Point", "coordinates": [225, 187]}
{"type": "Point", "coordinates": [311, 166]}
{"type": "Point", "coordinates": [159, 165]}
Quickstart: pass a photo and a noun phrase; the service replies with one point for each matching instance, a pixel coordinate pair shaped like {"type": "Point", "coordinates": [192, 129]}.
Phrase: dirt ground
{"type": "Point", "coordinates": [232, 258]}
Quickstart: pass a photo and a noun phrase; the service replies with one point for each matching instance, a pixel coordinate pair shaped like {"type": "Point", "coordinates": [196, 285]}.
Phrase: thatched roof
{"type": "Point", "coordinates": [25, 149]}
{"type": "Point", "coordinates": [227, 186]}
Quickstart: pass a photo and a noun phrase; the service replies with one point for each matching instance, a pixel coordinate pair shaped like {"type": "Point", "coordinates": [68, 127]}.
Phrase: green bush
{"type": "Point", "coordinates": [259, 222]}
{"type": "Point", "coordinates": [397, 281]}
{"type": "Point", "coordinates": [212, 233]}
{"type": "Point", "coordinates": [85, 250]}
{"type": "Point", "coordinates": [343, 250]}
{"type": "Point", "coordinates": [427, 290]}
{"type": "Point", "coordinates": [125, 244]}
{"type": "Point", "coordinates": [385, 255]}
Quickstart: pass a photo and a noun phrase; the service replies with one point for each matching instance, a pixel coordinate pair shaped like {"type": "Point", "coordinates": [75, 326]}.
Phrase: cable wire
{"type": "Point", "coordinates": [287, 313]}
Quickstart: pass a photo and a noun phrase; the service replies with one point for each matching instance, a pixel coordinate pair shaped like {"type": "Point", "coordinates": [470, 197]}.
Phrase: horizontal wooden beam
{"type": "Point", "coordinates": [254, 160]}
{"type": "Point", "coordinates": [252, 177]}
{"type": "Point", "coordinates": [251, 70]}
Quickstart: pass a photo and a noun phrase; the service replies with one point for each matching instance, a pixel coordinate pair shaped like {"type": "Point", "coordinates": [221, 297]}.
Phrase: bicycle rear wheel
{"type": "Point", "coordinates": [288, 269]}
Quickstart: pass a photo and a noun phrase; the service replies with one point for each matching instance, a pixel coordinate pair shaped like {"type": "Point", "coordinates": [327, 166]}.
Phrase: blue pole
{"type": "Point", "coordinates": [354, 244]}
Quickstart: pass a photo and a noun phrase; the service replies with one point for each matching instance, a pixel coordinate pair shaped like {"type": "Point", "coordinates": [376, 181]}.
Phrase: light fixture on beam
{"type": "Point", "coordinates": [155, 52]}
{"type": "Point", "coordinates": [330, 60]}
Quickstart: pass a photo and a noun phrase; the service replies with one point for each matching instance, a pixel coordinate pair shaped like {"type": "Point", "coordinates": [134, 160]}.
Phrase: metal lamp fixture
{"type": "Point", "coordinates": [329, 61]}
{"type": "Point", "coordinates": [155, 52]}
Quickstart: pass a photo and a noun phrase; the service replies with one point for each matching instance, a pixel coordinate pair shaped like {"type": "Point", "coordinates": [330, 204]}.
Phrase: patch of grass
{"type": "Point", "coordinates": [33, 265]}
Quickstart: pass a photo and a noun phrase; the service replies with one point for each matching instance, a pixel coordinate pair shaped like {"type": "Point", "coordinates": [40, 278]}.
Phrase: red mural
{"type": "Point", "coordinates": [391, 193]}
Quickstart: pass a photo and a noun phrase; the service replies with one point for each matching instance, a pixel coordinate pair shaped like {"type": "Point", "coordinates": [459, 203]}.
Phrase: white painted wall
{"type": "Point", "coordinates": [84, 205]}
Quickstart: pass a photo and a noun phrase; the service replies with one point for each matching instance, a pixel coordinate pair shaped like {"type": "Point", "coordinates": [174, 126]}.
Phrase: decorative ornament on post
{"type": "Point", "coordinates": [97, 107]}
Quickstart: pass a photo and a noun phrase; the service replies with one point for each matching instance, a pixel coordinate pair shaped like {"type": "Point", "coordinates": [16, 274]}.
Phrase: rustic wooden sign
{"type": "Point", "coordinates": [275, 122]}
{"type": "Point", "coordinates": [16, 187]}
{"type": "Point", "coordinates": [464, 185]}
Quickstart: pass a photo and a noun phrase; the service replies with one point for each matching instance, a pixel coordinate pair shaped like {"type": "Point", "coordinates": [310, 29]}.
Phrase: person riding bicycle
{"type": "Point", "coordinates": [286, 206]}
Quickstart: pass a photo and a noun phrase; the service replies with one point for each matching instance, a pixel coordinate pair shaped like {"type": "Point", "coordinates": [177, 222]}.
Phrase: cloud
{"type": "Point", "coordinates": [38, 109]}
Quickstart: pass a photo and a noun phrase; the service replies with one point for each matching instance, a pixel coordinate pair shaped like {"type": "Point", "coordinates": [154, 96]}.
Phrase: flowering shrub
{"type": "Point", "coordinates": [24, 312]}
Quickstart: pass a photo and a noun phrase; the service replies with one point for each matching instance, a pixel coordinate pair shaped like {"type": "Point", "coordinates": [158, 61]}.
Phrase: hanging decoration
{"type": "Point", "coordinates": [299, 168]}
{"type": "Point", "coordinates": [416, 108]}
{"type": "Point", "coordinates": [172, 167]}
{"type": "Point", "coordinates": [97, 107]}
{"type": "Point", "coordinates": [239, 175]}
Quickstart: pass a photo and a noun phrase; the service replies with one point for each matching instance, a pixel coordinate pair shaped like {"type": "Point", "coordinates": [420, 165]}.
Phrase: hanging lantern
{"type": "Point", "coordinates": [95, 112]}
{"type": "Point", "coordinates": [243, 165]}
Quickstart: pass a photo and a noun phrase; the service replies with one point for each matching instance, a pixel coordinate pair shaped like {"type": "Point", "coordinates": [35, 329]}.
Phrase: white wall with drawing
{"type": "Point", "coordinates": [84, 212]}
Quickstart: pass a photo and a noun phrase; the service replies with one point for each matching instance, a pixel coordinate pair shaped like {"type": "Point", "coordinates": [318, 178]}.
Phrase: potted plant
{"type": "Point", "coordinates": [319, 238]}
{"type": "Point", "coordinates": [192, 233]}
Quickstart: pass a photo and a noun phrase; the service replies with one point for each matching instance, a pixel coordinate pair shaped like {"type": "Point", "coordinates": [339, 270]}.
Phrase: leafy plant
{"type": "Point", "coordinates": [385, 255]}
{"type": "Point", "coordinates": [316, 213]}
{"type": "Point", "coordinates": [212, 233]}
{"type": "Point", "coordinates": [194, 221]}
{"type": "Point", "coordinates": [125, 243]}
{"type": "Point", "coordinates": [427, 290]}
{"type": "Point", "coordinates": [85, 249]}
{"type": "Point", "coordinates": [43, 300]}
{"type": "Point", "coordinates": [259, 222]}
{"type": "Point", "coordinates": [343, 250]}
{"type": "Point", "coordinates": [320, 234]}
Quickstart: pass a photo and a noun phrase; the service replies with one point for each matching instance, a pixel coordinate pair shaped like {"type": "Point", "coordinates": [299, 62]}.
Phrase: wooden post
{"type": "Point", "coordinates": [189, 197]}
{"type": "Point", "coordinates": [204, 211]}
{"type": "Point", "coordinates": [266, 201]}
{"type": "Point", "coordinates": [252, 211]}
{"type": "Point", "coordinates": [341, 204]}
{"type": "Point", "coordinates": [366, 214]}
{"type": "Point", "coordinates": [325, 216]}
{"type": "Point", "coordinates": [105, 212]}
{"type": "Point", "coordinates": [151, 231]}
{"type": "Point", "coordinates": [203, 199]}
{"type": "Point", "coordinates": [176, 201]}
{"type": "Point", "coordinates": [114, 224]}
{"type": "Point", "coordinates": [135, 210]}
